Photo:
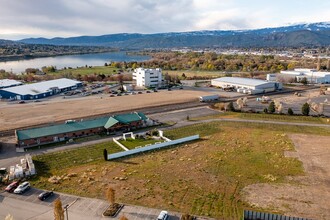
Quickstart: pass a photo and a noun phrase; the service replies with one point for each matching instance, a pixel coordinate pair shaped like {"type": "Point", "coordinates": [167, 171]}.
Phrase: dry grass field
{"type": "Point", "coordinates": [310, 196]}
{"type": "Point", "coordinates": [15, 115]}
{"type": "Point", "coordinates": [205, 177]}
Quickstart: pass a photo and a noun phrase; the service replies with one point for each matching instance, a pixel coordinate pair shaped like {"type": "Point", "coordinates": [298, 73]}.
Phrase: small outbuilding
{"type": "Point", "coordinates": [246, 85]}
{"type": "Point", "coordinates": [40, 90]}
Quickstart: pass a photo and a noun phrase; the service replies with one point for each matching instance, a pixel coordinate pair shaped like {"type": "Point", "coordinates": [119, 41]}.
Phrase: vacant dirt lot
{"type": "Point", "coordinates": [307, 196]}
{"type": "Point", "coordinates": [15, 115]}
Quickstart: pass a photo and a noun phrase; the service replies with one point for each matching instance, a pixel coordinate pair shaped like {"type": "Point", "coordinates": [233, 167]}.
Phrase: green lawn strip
{"type": "Point", "coordinates": [106, 70]}
{"type": "Point", "coordinates": [133, 143]}
{"type": "Point", "coordinates": [46, 164]}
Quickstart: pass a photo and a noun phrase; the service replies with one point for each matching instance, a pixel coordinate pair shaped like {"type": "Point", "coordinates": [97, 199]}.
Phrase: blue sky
{"type": "Point", "coordinates": [64, 18]}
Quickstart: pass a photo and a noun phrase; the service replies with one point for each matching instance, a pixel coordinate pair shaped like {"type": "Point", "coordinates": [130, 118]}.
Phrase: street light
{"type": "Point", "coordinates": [66, 211]}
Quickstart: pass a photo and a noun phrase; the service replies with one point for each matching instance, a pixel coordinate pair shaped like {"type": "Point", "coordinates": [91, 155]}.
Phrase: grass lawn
{"type": "Point", "coordinates": [267, 117]}
{"type": "Point", "coordinates": [106, 70]}
{"type": "Point", "coordinates": [204, 177]}
{"type": "Point", "coordinates": [133, 143]}
{"type": "Point", "coordinates": [191, 73]}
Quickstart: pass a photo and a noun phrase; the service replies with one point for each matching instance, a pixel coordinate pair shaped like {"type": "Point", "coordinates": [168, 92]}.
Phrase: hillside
{"type": "Point", "coordinates": [310, 35]}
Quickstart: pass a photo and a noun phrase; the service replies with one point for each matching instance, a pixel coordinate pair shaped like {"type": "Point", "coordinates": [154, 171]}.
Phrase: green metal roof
{"type": "Point", "coordinates": [130, 117]}
{"type": "Point", "coordinates": [60, 129]}
{"type": "Point", "coordinates": [111, 122]}
{"type": "Point", "coordinates": [79, 125]}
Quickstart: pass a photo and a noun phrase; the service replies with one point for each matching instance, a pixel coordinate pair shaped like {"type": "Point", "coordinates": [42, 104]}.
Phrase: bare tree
{"type": "Point", "coordinates": [123, 218]}
{"type": "Point", "coordinates": [110, 194]}
{"type": "Point", "coordinates": [9, 217]}
{"type": "Point", "coordinates": [58, 210]}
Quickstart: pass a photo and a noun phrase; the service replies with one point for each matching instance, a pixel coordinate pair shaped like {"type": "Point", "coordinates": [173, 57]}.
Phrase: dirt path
{"type": "Point", "coordinates": [309, 195]}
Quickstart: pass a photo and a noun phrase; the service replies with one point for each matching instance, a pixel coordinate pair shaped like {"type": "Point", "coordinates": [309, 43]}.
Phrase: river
{"type": "Point", "coordinates": [73, 61]}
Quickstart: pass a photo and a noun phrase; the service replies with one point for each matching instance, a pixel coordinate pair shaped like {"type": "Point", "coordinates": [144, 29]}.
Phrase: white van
{"type": "Point", "coordinates": [162, 215]}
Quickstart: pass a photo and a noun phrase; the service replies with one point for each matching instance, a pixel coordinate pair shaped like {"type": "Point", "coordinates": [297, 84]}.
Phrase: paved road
{"type": "Point", "coordinates": [27, 207]}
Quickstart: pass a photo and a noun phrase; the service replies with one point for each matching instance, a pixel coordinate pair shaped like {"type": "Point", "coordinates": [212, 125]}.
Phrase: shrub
{"type": "Point", "coordinates": [290, 111]}
{"type": "Point", "coordinates": [265, 110]}
{"type": "Point", "coordinates": [271, 107]}
{"type": "Point", "coordinates": [305, 109]}
{"type": "Point", "coordinates": [231, 107]}
{"type": "Point", "coordinates": [154, 132]}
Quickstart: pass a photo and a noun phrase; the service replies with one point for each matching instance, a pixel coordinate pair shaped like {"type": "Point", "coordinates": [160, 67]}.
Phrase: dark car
{"type": "Point", "coordinates": [44, 195]}
{"type": "Point", "coordinates": [11, 187]}
{"type": "Point", "coordinates": [21, 102]}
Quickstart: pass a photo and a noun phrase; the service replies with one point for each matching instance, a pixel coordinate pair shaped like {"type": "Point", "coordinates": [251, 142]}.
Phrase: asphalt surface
{"type": "Point", "coordinates": [27, 207]}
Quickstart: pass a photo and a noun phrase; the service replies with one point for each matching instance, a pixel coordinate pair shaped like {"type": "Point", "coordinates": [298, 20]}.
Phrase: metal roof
{"type": "Point", "coordinates": [242, 81]}
{"type": "Point", "coordinates": [60, 129]}
{"type": "Point", "coordinates": [79, 125]}
{"type": "Point", "coordinates": [42, 87]}
{"type": "Point", "coordinates": [111, 122]}
{"type": "Point", "coordinates": [9, 82]}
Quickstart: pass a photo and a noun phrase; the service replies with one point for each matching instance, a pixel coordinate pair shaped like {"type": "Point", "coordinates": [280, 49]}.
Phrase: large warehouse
{"type": "Point", "coordinates": [311, 75]}
{"type": "Point", "coordinates": [6, 83]}
{"type": "Point", "coordinates": [40, 90]}
{"type": "Point", "coordinates": [246, 85]}
{"type": "Point", "coordinates": [72, 129]}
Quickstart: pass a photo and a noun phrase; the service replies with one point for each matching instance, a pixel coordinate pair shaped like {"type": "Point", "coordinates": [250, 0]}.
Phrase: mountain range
{"type": "Point", "coordinates": [299, 35]}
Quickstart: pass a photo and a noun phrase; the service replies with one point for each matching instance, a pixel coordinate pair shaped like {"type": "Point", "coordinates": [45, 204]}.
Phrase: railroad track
{"type": "Point", "coordinates": [147, 111]}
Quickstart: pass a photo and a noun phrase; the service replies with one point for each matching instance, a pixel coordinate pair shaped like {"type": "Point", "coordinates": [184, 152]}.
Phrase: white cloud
{"type": "Point", "coordinates": [49, 18]}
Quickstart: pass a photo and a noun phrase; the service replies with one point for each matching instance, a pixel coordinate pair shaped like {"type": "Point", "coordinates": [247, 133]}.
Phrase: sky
{"type": "Point", "coordinates": [65, 18]}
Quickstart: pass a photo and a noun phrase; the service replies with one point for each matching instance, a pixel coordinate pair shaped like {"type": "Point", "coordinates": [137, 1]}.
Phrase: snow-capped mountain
{"type": "Point", "coordinates": [306, 34]}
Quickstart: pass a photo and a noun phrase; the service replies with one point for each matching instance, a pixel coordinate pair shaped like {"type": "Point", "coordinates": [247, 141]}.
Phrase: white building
{"type": "Point", "coordinates": [246, 85]}
{"type": "Point", "coordinates": [5, 83]}
{"type": "Point", "coordinates": [312, 75]}
{"type": "Point", "coordinates": [148, 77]}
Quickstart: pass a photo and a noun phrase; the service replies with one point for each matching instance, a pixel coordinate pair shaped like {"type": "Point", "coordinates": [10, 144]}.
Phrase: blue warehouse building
{"type": "Point", "coordinates": [40, 90]}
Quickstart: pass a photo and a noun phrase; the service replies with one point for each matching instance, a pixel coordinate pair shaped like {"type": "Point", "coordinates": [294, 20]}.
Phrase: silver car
{"type": "Point", "coordinates": [22, 188]}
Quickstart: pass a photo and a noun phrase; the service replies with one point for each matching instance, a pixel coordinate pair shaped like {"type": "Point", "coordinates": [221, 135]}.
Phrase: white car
{"type": "Point", "coordinates": [163, 215]}
{"type": "Point", "coordinates": [22, 188]}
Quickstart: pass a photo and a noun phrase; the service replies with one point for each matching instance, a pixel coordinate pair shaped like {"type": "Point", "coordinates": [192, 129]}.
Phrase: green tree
{"type": "Point", "coordinates": [231, 107]}
{"type": "Point", "coordinates": [290, 111]}
{"type": "Point", "coordinates": [265, 110]}
{"type": "Point", "coordinates": [271, 107]}
{"type": "Point", "coordinates": [304, 81]}
{"type": "Point", "coordinates": [305, 109]}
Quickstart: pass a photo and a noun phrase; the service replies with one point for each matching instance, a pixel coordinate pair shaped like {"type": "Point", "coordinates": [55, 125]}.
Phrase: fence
{"type": "Point", "coordinates": [253, 215]}
{"type": "Point", "coordinates": [152, 147]}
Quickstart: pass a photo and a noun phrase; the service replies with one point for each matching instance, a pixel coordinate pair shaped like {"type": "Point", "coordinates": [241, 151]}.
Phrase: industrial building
{"type": "Point", "coordinates": [148, 77]}
{"type": "Point", "coordinates": [246, 85]}
{"type": "Point", "coordinates": [40, 90]}
{"type": "Point", "coordinates": [72, 129]}
{"type": "Point", "coordinates": [311, 75]}
{"type": "Point", "coordinates": [6, 83]}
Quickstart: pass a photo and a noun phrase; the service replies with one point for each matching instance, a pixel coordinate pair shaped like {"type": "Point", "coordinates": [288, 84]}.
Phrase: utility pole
{"type": "Point", "coordinates": [66, 211]}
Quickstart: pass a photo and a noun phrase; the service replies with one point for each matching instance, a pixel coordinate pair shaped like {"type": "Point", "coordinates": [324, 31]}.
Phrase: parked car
{"type": "Point", "coordinates": [148, 91]}
{"type": "Point", "coordinates": [155, 90]}
{"type": "Point", "coordinates": [22, 188]}
{"type": "Point", "coordinates": [11, 187]}
{"type": "Point", "coordinates": [21, 102]}
{"type": "Point", "coordinates": [112, 95]}
{"type": "Point", "coordinates": [163, 215]}
{"type": "Point", "coordinates": [45, 195]}
{"type": "Point", "coordinates": [140, 92]}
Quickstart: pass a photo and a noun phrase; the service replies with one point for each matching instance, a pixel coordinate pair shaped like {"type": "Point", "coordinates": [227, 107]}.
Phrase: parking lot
{"type": "Point", "coordinates": [83, 208]}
